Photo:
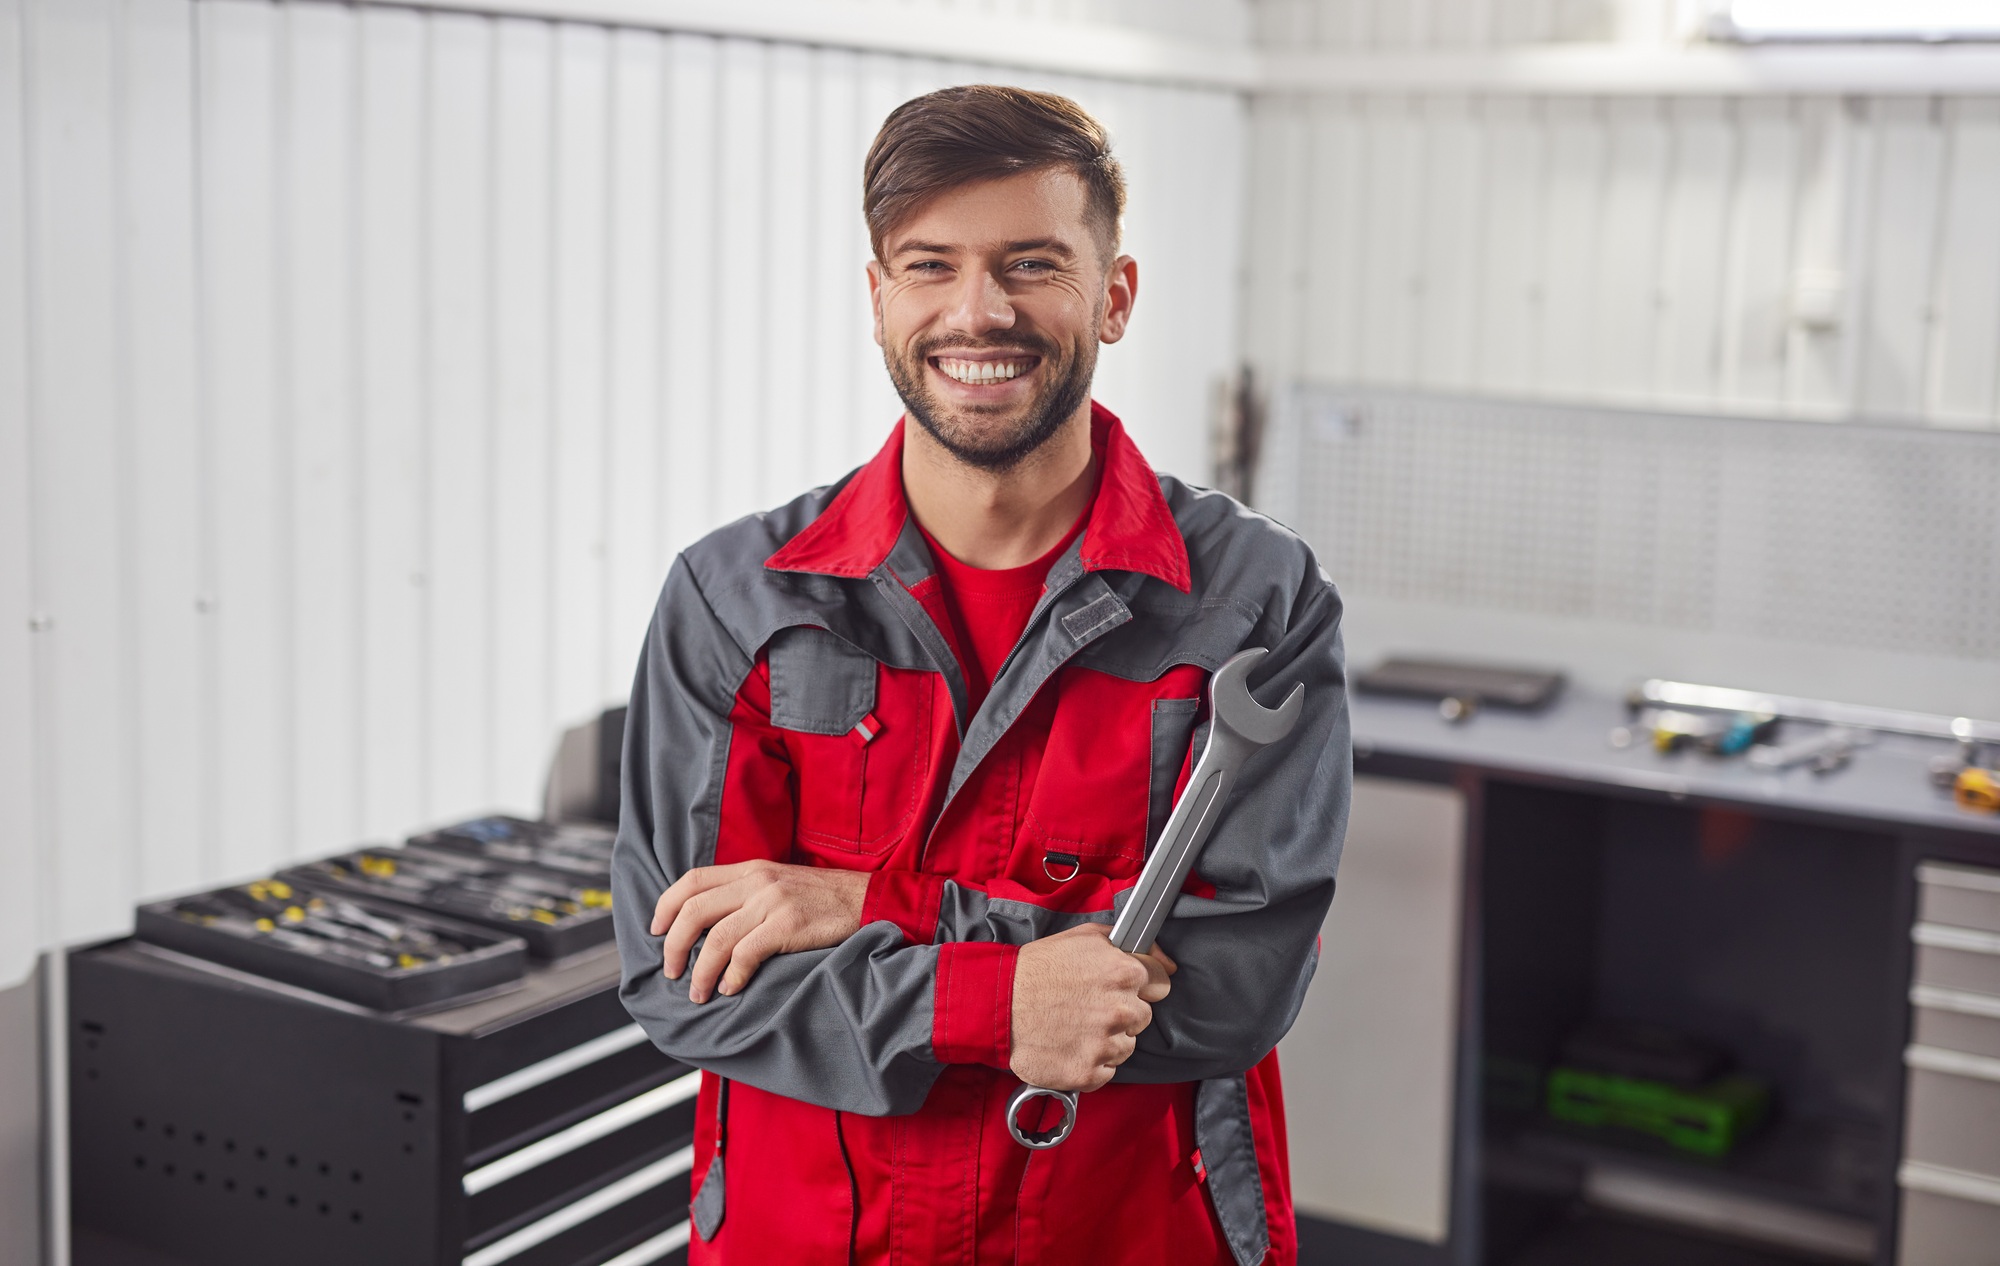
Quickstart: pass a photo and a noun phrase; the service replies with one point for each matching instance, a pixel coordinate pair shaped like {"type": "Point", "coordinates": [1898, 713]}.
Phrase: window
{"type": "Point", "coordinates": [1927, 20]}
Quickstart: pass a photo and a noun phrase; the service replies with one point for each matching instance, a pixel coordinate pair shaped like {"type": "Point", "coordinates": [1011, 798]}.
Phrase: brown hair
{"type": "Point", "coordinates": [956, 136]}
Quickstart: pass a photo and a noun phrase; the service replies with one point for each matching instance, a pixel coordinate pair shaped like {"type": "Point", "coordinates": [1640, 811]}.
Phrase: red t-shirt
{"type": "Point", "coordinates": [989, 608]}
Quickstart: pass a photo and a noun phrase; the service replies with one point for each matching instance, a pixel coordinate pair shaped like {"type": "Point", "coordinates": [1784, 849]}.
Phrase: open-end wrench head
{"type": "Point", "coordinates": [1236, 710]}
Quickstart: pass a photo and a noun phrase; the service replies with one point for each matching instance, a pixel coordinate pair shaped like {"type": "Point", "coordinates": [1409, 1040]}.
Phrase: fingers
{"type": "Point", "coordinates": [757, 945]}
{"type": "Point", "coordinates": [716, 953]}
{"type": "Point", "coordinates": [1165, 961]}
{"type": "Point", "coordinates": [1156, 987]}
{"type": "Point", "coordinates": [698, 913]}
{"type": "Point", "coordinates": [1135, 1019]}
{"type": "Point", "coordinates": [698, 880]}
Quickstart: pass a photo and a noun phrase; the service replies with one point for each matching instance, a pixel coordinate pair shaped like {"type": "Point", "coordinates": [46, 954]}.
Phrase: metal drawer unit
{"type": "Point", "coordinates": [1951, 1145]}
{"type": "Point", "coordinates": [224, 1120]}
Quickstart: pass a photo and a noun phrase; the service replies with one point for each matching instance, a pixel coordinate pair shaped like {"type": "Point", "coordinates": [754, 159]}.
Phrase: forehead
{"type": "Point", "coordinates": [987, 214]}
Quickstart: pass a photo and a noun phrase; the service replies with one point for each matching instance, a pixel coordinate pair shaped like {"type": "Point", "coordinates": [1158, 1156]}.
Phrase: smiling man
{"type": "Point", "coordinates": [898, 749]}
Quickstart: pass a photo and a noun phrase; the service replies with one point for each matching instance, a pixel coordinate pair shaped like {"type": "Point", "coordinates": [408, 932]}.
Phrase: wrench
{"type": "Point", "coordinates": [1240, 728]}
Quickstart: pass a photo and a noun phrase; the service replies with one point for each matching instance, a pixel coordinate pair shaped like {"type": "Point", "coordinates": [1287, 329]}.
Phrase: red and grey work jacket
{"type": "Point", "coordinates": [797, 701]}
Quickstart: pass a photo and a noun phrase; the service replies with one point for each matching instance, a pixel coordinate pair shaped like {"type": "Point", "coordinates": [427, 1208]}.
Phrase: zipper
{"type": "Point", "coordinates": [1049, 599]}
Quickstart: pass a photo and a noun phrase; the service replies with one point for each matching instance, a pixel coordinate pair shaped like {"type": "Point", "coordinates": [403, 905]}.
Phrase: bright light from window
{"type": "Point", "coordinates": [1858, 19]}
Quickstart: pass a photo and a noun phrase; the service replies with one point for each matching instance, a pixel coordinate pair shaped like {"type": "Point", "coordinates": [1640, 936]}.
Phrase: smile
{"type": "Point", "coordinates": [978, 372]}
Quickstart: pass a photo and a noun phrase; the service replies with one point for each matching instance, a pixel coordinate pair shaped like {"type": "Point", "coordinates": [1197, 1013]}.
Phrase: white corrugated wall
{"type": "Point", "coordinates": [1581, 212]}
{"type": "Point", "coordinates": [362, 368]}
{"type": "Point", "coordinates": [1822, 255]}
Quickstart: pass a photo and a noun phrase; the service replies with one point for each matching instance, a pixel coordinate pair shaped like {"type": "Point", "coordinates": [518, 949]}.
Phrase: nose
{"type": "Point", "coordinates": [979, 304]}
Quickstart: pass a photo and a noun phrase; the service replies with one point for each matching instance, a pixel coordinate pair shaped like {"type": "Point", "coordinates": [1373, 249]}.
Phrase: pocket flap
{"type": "Point", "coordinates": [819, 684]}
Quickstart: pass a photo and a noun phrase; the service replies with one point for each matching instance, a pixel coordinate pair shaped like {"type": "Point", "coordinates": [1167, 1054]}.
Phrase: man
{"type": "Point", "coordinates": [897, 748]}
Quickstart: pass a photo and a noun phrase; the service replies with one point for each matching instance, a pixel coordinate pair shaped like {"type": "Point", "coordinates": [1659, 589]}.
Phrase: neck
{"type": "Point", "coordinates": [998, 519]}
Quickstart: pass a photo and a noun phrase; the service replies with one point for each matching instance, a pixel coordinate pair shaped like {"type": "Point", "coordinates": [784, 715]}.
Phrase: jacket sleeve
{"type": "Point", "coordinates": [1247, 953]}
{"type": "Point", "coordinates": [863, 1027]}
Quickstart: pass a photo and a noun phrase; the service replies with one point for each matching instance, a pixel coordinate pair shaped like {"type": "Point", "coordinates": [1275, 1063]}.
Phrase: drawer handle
{"type": "Point", "coordinates": [1936, 999]}
{"type": "Point", "coordinates": [554, 1066]}
{"type": "Point", "coordinates": [1944, 936]}
{"type": "Point", "coordinates": [1941, 1180]}
{"type": "Point", "coordinates": [604, 1198]}
{"type": "Point", "coordinates": [1935, 1059]}
{"type": "Point", "coordinates": [589, 1130]}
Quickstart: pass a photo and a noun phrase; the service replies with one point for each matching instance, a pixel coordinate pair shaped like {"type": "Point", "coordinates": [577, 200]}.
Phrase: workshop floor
{"type": "Point", "coordinates": [1595, 1240]}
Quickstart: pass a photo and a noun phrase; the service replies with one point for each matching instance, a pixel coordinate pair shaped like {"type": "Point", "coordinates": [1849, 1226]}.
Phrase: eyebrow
{"type": "Point", "coordinates": [1051, 245]}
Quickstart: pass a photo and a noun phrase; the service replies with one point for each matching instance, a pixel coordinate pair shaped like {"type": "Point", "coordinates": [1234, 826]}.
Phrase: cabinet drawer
{"type": "Point", "coordinates": [1953, 1021]}
{"type": "Point", "coordinates": [1961, 896]}
{"type": "Point", "coordinates": [1948, 1219]}
{"type": "Point", "coordinates": [1953, 1111]}
{"type": "Point", "coordinates": [1957, 958]}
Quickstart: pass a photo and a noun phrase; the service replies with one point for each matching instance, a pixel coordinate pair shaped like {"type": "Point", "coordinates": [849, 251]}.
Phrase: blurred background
{"type": "Point", "coordinates": [364, 365]}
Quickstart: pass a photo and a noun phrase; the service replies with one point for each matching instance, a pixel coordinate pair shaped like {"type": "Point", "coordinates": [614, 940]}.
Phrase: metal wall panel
{"type": "Point", "coordinates": [458, 303]}
{"type": "Point", "coordinates": [81, 569]}
{"type": "Point", "coordinates": [161, 406]}
{"type": "Point", "coordinates": [1847, 562]}
{"type": "Point", "coordinates": [1965, 366]}
{"type": "Point", "coordinates": [1459, 24]}
{"type": "Point", "coordinates": [24, 847]}
{"type": "Point", "coordinates": [1813, 257]}
{"type": "Point", "coordinates": [390, 405]}
{"type": "Point", "coordinates": [249, 531]}
{"type": "Point", "coordinates": [317, 110]}
{"type": "Point", "coordinates": [634, 518]}
{"type": "Point", "coordinates": [362, 368]}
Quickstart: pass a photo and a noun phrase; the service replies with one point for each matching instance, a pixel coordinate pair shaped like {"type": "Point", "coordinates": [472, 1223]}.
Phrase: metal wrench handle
{"type": "Point", "coordinates": [1239, 728]}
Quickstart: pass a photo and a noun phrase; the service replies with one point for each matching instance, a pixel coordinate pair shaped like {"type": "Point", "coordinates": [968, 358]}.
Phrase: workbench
{"type": "Point", "coordinates": [1513, 875]}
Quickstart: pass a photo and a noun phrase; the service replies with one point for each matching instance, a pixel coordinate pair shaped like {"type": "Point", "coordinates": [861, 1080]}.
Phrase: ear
{"type": "Point", "coordinates": [1121, 291]}
{"type": "Point", "coordinates": [875, 298]}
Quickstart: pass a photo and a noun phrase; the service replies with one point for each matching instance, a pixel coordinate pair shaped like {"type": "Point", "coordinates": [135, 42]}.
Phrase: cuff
{"type": "Point", "coordinates": [972, 1020]}
{"type": "Point", "coordinates": [910, 899]}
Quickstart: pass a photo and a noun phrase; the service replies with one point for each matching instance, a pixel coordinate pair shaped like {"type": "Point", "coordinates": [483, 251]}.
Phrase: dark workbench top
{"type": "Point", "coordinates": [1887, 782]}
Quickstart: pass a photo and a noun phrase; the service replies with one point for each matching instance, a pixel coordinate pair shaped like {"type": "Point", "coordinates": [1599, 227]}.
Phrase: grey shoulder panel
{"type": "Point", "coordinates": [753, 602]}
{"type": "Point", "coordinates": [1238, 555]}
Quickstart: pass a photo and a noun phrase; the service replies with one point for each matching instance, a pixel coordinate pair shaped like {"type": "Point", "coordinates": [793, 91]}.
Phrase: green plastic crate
{"type": "Point", "coordinates": [1707, 1120]}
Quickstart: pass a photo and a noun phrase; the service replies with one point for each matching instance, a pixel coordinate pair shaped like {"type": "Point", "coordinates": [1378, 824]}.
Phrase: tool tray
{"type": "Point", "coordinates": [569, 848]}
{"type": "Point", "coordinates": [385, 957]}
{"type": "Point", "coordinates": [557, 914]}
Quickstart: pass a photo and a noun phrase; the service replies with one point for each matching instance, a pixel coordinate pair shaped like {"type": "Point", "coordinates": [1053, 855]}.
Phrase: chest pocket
{"type": "Point", "coordinates": [856, 734]}
{"type": "Point", "coordinates": [1106, 780]}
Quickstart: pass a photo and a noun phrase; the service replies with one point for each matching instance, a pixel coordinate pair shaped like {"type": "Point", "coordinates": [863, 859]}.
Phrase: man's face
{"type": "Point", "coordinates": [989, 304]}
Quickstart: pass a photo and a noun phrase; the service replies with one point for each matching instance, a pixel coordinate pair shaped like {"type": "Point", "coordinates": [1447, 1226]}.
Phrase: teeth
{"type": "Point", "coordinates": [981, 371]}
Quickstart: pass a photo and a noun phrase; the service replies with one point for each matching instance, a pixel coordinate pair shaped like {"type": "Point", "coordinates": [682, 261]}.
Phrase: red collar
{"type": "Point", "coordinates": [1130, 528]}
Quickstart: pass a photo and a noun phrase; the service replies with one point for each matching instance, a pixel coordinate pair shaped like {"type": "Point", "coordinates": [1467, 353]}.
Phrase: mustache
{"type": "Point", "coordinates": [1033, 344]}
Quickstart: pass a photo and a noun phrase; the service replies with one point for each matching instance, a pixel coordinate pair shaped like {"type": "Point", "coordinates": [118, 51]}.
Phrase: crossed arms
{"type": "Point", "coordinates": [763, 972]}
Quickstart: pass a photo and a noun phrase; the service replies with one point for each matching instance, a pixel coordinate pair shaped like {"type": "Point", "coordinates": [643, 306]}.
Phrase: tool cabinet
{"type": "Point", "coordinates": [1950, 1175]}
{"type": "Point", "coordinates": [221, 1119]}
{"type": "Point", "coordinates": [1839, 934]}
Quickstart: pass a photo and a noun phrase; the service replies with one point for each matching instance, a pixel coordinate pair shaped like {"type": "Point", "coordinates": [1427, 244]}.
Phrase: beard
{"type": "Point", "coordinates": [987, 438]}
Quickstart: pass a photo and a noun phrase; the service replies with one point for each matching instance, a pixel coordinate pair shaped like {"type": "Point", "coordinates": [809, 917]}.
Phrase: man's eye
{"type": "Point", "coordinates": [930, 266]}
{"type": "Point", "coordinates": [1034, 267]}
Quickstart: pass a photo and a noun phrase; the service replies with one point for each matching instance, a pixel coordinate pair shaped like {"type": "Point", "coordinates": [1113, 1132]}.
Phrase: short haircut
{"type": "Point", "coordinates": [956, 136]}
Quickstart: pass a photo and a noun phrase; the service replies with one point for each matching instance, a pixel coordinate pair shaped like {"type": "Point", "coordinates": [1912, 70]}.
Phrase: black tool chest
{"type": "Point", "coordinates": [222, 1118]}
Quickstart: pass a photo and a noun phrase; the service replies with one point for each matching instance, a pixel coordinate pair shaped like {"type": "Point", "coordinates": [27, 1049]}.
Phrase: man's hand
{"type": "Point", "coordinates": [1080, 1004]}
{"type": "Point", "coordinates": [752, 910]}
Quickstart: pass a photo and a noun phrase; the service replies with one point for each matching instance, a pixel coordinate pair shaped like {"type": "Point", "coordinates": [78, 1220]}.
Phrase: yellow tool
{"type": "Point", "coordinates": [1977, 788]}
